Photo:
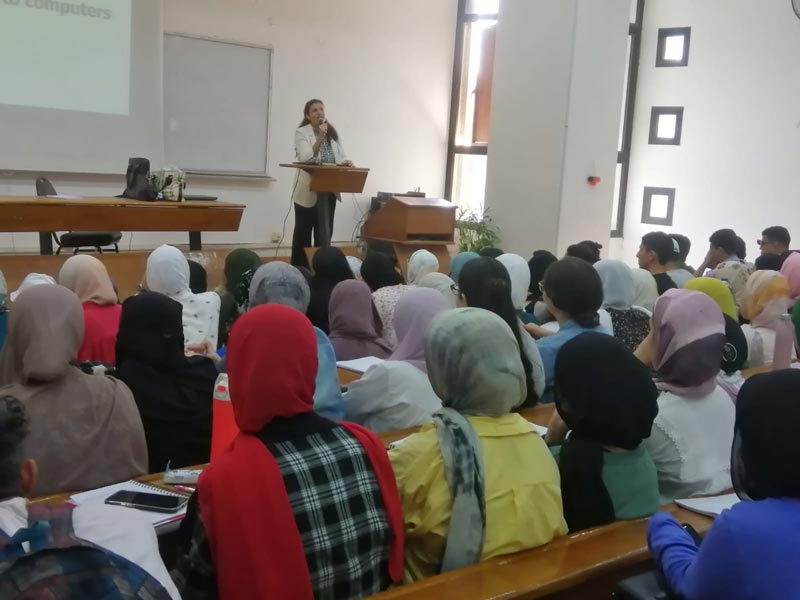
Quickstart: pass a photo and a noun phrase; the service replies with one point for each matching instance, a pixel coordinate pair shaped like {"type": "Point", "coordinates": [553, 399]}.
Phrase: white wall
{"type": "Point", "coordinates": [557, 96]}
{"type": "Point", "coordinates": [384, 70]}
{"type": "Point", "coordinates": [738, 162]}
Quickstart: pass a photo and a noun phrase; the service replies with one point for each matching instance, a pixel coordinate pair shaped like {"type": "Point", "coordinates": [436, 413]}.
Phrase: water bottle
{"type": "Point", "coordinates": [223, 425]}
{"type": "Point", "coordinates": [784, 343]}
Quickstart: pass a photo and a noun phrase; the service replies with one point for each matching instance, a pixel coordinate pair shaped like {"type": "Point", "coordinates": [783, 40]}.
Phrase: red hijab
{"type": "Point", "coordinates": [253, 536]}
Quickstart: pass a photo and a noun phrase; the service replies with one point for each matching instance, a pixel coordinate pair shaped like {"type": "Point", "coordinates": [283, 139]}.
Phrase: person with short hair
{"type": "Point", "coordinates": [678, 271]}
{"type": "Point", "coordinates": [775, 240]}
{"type": "Point", "coordinates": [655, 252]}
{"type": "Point", "coordinates": [586, 250]}
{"type": "Point", "coordinates": [125, 532]}
{"type": "Point", "coordinates": [722, 247]}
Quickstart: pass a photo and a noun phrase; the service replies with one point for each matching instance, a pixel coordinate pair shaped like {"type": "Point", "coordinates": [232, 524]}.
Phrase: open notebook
{"type": "Point", "coordinates": [711, 507]}
{"type": "Point", "coordinates": [359, 365]}
{"type": "Point", "coordinates": [99, 495]}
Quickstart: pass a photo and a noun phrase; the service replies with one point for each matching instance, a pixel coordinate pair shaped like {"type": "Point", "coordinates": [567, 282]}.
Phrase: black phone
{"type": "Point", "coordinates": [693, 533]}
{"type": "Point", "coordinates": [146, 501]}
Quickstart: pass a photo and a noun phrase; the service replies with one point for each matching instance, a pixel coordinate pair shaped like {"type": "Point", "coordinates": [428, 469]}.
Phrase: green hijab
{"type": "Point", "coordinates": [458, 262]}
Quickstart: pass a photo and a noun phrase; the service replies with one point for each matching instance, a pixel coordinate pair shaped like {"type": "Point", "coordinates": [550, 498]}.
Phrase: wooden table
{"type": "Point", "coordinates": [45, 215]}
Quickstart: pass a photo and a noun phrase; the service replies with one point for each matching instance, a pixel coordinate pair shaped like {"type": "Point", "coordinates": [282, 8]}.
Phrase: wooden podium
{"type": "Point", "coordinates": [410, 223]}
{"type": "Point", "coordinates": [330, 179]}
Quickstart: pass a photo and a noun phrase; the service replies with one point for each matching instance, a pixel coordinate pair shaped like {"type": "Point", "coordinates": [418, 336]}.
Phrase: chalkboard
{"type": "Point", "coordinates": [216, 105]}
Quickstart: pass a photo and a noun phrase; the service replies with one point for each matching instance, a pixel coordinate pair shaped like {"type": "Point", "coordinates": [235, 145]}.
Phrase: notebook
{"type": "Point", "coordinates": [359, 365]}
{"type": "Point", "coordinates": [711, 507]}
{"type": "Point", "coordinates": [99, 495]}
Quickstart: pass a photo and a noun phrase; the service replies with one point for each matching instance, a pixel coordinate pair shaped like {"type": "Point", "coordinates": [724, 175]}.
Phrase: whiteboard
{"type": "Point", "coordinates": [216, 105]}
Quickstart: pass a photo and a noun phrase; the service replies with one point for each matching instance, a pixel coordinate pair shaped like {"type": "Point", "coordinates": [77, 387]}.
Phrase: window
{"type": "Point", "coordinates": [471, 104]}
{"type": "Point", "coordinates": [658, 206]}
{"type": "Point", "coordinates": [673, 47]}
{"type": "Point", "coordinates": [666, 124]}
{"type": "Point", "coordinates": [626, 123]}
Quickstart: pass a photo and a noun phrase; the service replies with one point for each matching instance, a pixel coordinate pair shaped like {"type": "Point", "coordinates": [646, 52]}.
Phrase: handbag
{"type": "Point", "coordinates": [137, 181]}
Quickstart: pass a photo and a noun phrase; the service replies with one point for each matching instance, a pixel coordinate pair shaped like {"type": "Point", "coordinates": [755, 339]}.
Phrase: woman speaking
{"type": "Point", "coordinates": [316, 142]}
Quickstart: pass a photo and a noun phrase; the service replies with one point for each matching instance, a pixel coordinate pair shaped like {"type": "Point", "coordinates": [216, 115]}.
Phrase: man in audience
{"type": "Point", "coordinates": [676, 266]}
{"type": "Point", "coordinates": [122, 531]}
{"type": "Point", "coordinates": [722, 247]}
{"type": "Point", "coordinates": [655, 252]}
{"type": "Point", "coordinates": [775, 240]}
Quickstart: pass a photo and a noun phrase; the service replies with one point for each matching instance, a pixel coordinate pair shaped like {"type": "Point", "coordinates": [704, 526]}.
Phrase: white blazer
{"type": "Point", "coordinates": [304, 140]}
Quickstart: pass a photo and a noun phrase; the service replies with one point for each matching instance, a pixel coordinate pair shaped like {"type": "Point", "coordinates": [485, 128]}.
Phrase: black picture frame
{"type": "Point", "coordinates": [656, 113]}
{"type": "Point", "coordinates": [647, 217]}
{"type": "Point", "coordinates": [665, 33]}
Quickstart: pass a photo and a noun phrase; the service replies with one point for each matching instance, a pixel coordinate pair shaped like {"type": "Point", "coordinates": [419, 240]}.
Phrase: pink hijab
{"type": "Point", "coordinates": [791, 271]}
{"type": "Point", "coordinates": [689, 334]}
{"type": "Point", "coordinates": [412, 316]}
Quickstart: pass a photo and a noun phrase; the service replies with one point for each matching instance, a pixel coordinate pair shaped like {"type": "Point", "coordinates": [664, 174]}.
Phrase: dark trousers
{"type": "Point", "coordinates": [317, 220]}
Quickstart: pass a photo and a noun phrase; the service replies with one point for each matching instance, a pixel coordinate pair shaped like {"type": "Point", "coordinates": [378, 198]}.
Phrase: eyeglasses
{"type": "Point", "coordinates": [455, 289]}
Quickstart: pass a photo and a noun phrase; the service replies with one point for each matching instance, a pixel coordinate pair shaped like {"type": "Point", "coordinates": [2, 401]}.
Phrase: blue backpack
{"type": "Point", "coordinates": [59, 566]}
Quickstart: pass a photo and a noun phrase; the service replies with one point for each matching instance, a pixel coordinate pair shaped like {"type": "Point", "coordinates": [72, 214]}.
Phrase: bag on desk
{"type": "Point", "coordinates": [138, 186]}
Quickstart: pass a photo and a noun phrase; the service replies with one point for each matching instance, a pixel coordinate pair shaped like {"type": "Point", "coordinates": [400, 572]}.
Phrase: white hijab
{"type": "Point", "coordinates": [168, 273]}
{"type": "Point", "coordinates": [520, 274]}
{"type": "Point", "coordinates": [618, 288]}
{"type": "Point", "coordinates": [442, 284]}
{"type": "Point", "coordinates": [420, 264]}
{"type": "Point", "coordinates": [645, 289]}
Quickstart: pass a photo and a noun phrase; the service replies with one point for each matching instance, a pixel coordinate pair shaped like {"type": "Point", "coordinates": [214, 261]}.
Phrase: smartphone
{"type": "Point", "coordinates": [145, 501]}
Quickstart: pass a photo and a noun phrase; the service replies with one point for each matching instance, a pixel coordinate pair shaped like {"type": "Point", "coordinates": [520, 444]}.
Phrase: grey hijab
{"type": "Point", "coordinates": [280, 283]}
{"type": "Point", "coordinates": [474, 367]}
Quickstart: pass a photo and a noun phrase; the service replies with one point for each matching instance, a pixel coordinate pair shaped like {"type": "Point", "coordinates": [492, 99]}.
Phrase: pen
{"type": "Point", "coordinates": [185, 489]}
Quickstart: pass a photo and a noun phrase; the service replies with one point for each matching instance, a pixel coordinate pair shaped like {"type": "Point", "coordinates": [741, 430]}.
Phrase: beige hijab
{"type": "Point", "coordinates": [85, 430]}
{"type": "Point", "coordinates": [88, 278]}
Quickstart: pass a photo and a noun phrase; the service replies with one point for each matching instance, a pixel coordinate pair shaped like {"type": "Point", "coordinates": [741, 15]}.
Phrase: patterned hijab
{"type": "Point", "coordinates": [520, 274]}
{"type": "Point", "coordinates": [736, 274]}
{"type": "Point", "coordinates": [765, 299]}
{"type": "Point", "coordinates": [689, 334]}
{"type": "Point", "coordinates": [791, 271]}
{"type": "Point", "coordinates": [88, 278]}
{"type": "Point", "coordinates": [420, 264]}
{"type": "Point", "coordinates": [412, 317]}
{"type": "Point", "coordinates": [618, 288]}
{"type": "Point", "coordinates": [474, 366]}
{"type": "Point", "coordinates": [644, 288]}
{"type": "Point", "coordinates": [279, 283]}
{"type": "Point", "coordinates": [442, 284]}
{"type": "Point", "coordinates": [717, 291]}
{"type": "Point", "coordinates": [237, 263]}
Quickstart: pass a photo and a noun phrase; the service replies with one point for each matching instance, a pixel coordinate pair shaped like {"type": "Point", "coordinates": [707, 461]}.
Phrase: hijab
{"type": "Point", "coordinates": [85, 429]}
{"type": "Point", "coordinates": [237, 263]}
{"type": "Point", "coordinates": [765, 299]}
{"type": "Point", "coordinates": [734, 352]}
{"type": "Point", "coordinates": [412, 316]}
{"type": "Point", "coordinates": [442, 284]}
{"type": "Point", "coordinates": [420, 264]}
{"type": "Point", "coordinates": [791, 271]}
{"type": "Point", "coordinates": [88, 278]}
{"type": "Point", "coordinates": [167, 271]}
{"type": "Point", "coordinates": [520, 275]}
{"type": "Point", "coordinates": [474, 367]}
{"type": "Point", "coordinates": [279, 283]}
{"type": "Point", "coordinates": [31, 279]}
{"type": "Point", "coordinates": [765, 460]}
{"type": "Point", "coordinates": [355, 266]}
{"type": "Point", "coordinates": [198, 278]}
{"type": "Point", "coordinates": [330, 267]}
{"type": "Point", "coordinates": [279, 340]}
{"type": "Point", "coordinates": [689, 333]}
{"type": "Point", "coordinates": [644, 288]}
{"type": "Point", "coordinates": [609, 400]}
{"type": "Point", "coordinates": [736, 274]}
{"type": "Point", "coordinates": [378, 271]}
{"type": "Point", "coordinates": [618, 287]}
{"type": "Point", "coordinates": [538, 265]}
{"type": "Point", "coordinates": [173, 391]}
{"type": "Point", "coordinates": [769, 262]}
{"type": "Point", "coordinates": [352, 319]}
{"type": "Point", "coordinates": [240, 265]}
{"type": "Point", "coordinates": [717, 291]}
{"type": "Point", "coordinates": [458, 262]}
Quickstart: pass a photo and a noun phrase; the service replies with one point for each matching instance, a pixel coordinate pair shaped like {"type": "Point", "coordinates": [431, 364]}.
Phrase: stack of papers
{"type": "Point", "coordinates": [711, 507]}
{"type": "Point", "coordinates": [359, 365]}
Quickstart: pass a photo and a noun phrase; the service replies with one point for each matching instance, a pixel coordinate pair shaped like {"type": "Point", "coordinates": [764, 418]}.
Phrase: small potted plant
{"type": "Point", "coordinates": [475, 233]}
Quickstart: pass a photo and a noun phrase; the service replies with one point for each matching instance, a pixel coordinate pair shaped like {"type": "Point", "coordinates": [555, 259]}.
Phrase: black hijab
{"type": "Point", "coordinates": [765, 460]}
{"type": "Point", "coordinates": [734, 352]}
{"type": "Point", "coordinates": [378, 271]}
{"type": "Point", "coordinates": [769, 262]}
{"type": "Point", "coordinates": [330, 267]}
{"type": "Point", "coordinates": [198, 278]}
{"type": "Point", "coordinates": [173, 392]}
{"type": "Point", "coordinates": [607, 397]}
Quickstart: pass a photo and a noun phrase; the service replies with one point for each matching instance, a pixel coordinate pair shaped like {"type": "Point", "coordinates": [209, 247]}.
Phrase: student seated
{"type": "Point", "coordinates": [380, 273]}
{"type": "Point", "coordinates": [298, 506]}
{"type": "Point", "coordinates": [421, 263]}
{"type": "Point", "coordinates": [775, 241]}
{"type": "Point", "coordinates": [751, 550]}
{"type": "Point", "coordinates": [722, 247]}
{"type": "Point", "coordinates": [691, 437]}
{"type": "Point", "coordinates": [631, 325]}
{"type": "Point", "coordinates": [645, 289]}
{"type": "Point", "coordinates": [85, 429]}
{"type": "Point", "coordinates": [123, 531]}
{"type": "Point", "coordinates": [330, 268]}
{"type": "Point", "coordinates": [397, 394]}
{"type": "Point", "coordinates": [172, 391]}
{"type": "Point", "coordinates": [764, 301]}
{"type": "Point", "coordinates": [573, 293]}
{"type": "Point", "coordinates": [168, 273]}
{"type": "Point", "coordinates": [680, 273]}
{"type": "Point", "coordinates": [198, 277]}
{"type": "Point", "coordinates": [478, 482]}
{"type": "Point", "coordinates": [233, 295]}
{"type": "Point", "coordinates": [791, 271]}
{"type": "Point", "coordinates": [352, 317]}
{"type": "Point", "coordinates": [606, 398]}
{"type": "Point", "coordinates": [520, 274]}
{"type": "Point", "coordinates": [88, 278]}
{"type": "Point", "coordinates": [538, 265]}
{"type": "Point", "coordinates": [442, 284]}
{"type": "Point", "coordinates": [458, 261]}
{"type": "Point", "coordinates": [655, 252]}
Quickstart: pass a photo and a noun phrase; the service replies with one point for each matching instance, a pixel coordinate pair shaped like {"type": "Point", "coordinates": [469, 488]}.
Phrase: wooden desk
{"type": "Point", "coordinates": [347, 377]}
{"type": "Point", "coordinates": [45, 215]}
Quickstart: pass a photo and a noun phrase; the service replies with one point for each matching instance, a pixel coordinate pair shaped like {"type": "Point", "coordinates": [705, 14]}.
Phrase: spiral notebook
{"type": "Point", "coordinates": [99, 495]}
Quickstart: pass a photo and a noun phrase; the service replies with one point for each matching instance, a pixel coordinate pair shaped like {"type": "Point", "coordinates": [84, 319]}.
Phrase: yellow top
{"type": "Point", "coordinates": [523, 492]}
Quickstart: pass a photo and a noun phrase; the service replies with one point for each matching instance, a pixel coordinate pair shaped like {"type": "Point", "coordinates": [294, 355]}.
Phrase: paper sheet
{"type": "Point", "coordinates": [711, 507]}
